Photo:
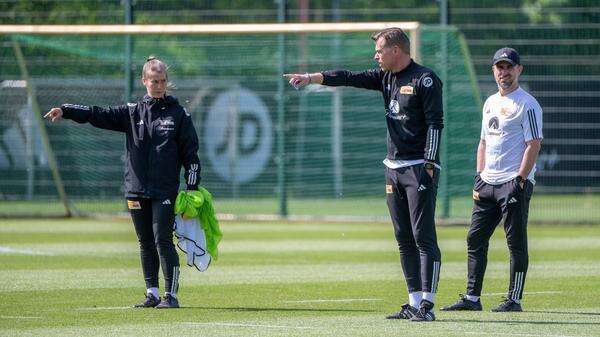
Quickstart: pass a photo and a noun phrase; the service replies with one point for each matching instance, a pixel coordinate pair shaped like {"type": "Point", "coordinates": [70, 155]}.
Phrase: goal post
{"type": "Point", "coordinates": [38, 114]}
{"type": "Point", "coordinates": [328, 141]}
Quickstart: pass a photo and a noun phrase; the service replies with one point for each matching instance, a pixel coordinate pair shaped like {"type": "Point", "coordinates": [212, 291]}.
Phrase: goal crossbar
{"type": "Point", "coordinates": [411, 27]}
{"type": "Point", "coordinates": [205, 29]}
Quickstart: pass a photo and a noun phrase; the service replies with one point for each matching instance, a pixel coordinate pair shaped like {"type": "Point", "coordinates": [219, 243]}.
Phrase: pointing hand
{"type": "Point", "coordinates": [54, 114]}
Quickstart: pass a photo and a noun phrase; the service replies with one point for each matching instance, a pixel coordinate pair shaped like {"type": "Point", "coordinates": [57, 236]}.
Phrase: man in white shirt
{"type": "Point", "coordinates": [511, 135]}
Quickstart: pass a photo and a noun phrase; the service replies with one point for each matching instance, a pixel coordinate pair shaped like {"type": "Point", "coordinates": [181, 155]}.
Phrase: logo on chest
{"type": "Point", "coordinates": [494, 123]}
{"type": "Point", "coordinates": [506, 111]}
{"type": "Point", "coordinates": [407, 90]}
{"type": "Point", "coordinates": [165, 124]}
{"type": "Point", "coordinates": [394, 107]}
{"type": "Point", "coordinates": [494, 126]}
{"type": "Point", "coordinates": [393, 111]}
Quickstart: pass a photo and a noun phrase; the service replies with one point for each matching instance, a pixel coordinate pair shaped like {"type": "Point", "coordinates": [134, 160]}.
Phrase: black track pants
{"type": "Point", "coordinates": [153, 221]}
{"type": "Point", "coordinates": [491, 204]}
{"type": "Point", "coordinates": [411, 195]}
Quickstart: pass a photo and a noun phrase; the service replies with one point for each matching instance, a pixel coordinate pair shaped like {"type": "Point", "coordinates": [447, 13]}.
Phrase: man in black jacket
{"type": "Point", "coordinates": [412, 96]}
{"type": "Point", "coordinates": [160, 138]}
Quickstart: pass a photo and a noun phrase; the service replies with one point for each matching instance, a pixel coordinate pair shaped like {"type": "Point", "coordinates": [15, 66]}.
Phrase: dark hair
{"type": "Point", "coordinates": [393, 37]}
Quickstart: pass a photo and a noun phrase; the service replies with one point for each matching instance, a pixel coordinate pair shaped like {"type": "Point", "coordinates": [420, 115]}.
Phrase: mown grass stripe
{"type": "Point", "coordinates": [47, 279]}
{"type": "Point", "coordinates": [297, 276]}
{"type": "Point", "coordinates": [109, 248]}
{"type": "Point", "coordinates": [249, 325]}
{"type": "Point", "coordinates": [336, 300]}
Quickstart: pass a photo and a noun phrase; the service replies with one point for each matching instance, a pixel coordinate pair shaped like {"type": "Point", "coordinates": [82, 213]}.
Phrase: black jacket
{"type": "Point", "coordinates": [413, 107]}
{"type": "Point", "coordinates": [160, 138]}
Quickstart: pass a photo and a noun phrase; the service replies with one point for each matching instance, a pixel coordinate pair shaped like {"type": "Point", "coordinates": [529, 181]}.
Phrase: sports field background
{"type": "Point", "coordinates": [79, 277]}
{"type": "Point", "coordinates": [69, 277]}
{"type": "Point", "coordinates": [555, 209]}
{"type": "Point", "coordinates": [332, 141]}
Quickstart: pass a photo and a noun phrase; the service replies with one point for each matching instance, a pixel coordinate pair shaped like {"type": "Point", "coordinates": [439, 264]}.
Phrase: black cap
{"type": "Point", "coordinates": [507, 54]}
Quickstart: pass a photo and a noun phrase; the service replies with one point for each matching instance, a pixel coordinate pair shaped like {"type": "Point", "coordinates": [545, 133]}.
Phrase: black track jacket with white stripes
{"type": "Point", "coordinates": [413, 107]}
{"type": "Point", "coordinates": [160, 138]}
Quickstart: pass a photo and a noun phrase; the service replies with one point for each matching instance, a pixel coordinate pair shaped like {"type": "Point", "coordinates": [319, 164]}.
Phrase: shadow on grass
{"type": "Point", "coordinates": [565, 312]}
{"type": "Point", "coordinates": [516, 322]}
{"type": "Point", "coordinates": [246, 309]}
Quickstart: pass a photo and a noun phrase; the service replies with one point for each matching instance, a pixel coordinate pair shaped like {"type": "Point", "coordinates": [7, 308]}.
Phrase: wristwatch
{"type": "Point", "coordinates": [428, 165]}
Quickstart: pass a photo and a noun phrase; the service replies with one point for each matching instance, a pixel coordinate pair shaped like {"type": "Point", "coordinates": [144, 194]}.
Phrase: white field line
{"type": "Point", "coordinates": [525, 293]}
{"type": "Point", "coordinates": [337, 300]}
{"type": "Point", "coordinates": [250, 325]}
{"type": "Point", "coordinates": [103, 308]}
{"type": "Point", "coordinates": [19, 317]}
{"type": "Point", "coordinates": [9, 250]}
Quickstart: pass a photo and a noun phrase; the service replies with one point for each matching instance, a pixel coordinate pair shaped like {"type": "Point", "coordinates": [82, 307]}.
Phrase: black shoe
{"type": "Point", "coordinates": [149, 302]}
{"type": "Point", "coordinates": [508, 305]}
{"type": "Point", "coordinates": [425, 313]}
{"type": "Point", "coordinates": [463, 304]}
{"type": "Point", "coordinates": [406, 312]}
{"type": "Point", "coordinates": [168, 302]}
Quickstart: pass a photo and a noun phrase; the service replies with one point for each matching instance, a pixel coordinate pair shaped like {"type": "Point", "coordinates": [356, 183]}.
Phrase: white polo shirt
{"type": "Point", "coordinates": [508, 122]}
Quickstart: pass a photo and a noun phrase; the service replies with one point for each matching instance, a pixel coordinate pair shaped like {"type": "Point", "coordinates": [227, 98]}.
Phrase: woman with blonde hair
{"type": "Point", "coordinates": [160, 139]}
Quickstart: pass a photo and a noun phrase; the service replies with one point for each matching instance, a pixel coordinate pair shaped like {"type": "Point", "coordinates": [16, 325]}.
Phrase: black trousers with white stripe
{"type": "Point", "coordinates": [411, 195]}
{"type": "Point", "coordinates": [491, 204]}
{"type": "Point", "coordinates": [153, 222]}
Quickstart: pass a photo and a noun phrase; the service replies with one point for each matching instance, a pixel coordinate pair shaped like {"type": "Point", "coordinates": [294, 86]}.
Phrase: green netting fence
{"type": "Point", "coordinates": [329, 152]}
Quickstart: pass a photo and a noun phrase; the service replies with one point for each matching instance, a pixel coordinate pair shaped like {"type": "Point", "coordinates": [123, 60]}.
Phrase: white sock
{"type": "Point", "coordinates": [153, 291]}
{"type": "Point", "coordinates": [429, 296]}
{"type": "Point", "coordinates": [174, 295]}
{"type": "Point", "coordinates": [472, 298]}
{"type": "Point", "coordinates": [414, 299]}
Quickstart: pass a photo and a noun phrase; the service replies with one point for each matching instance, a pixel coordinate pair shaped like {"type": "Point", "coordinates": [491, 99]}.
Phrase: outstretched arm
{"type": "Point", "coordinates": [114, 118]}
{"type": "Point", "coordinates": [369, 79]}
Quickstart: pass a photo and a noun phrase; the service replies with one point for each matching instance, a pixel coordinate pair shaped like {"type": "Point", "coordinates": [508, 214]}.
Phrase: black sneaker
{"type": "Point", "coordinates": [508, 305]}
{"type": "Point", "coordinates": [463, 304]}
{"type": "Point", "coordinates": [168, 302]}
{"type": "Point", "coordinates": [406, 312]}
{"type": "Point", "coordinates": [149, 302]}
{"type": "Point", "coordinates": [425, 313]}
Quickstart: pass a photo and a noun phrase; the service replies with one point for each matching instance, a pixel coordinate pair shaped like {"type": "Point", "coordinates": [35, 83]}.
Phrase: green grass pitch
{"type": "Point", "coordinates": [80, 277]}
{"type": "Point", "coordinates": [544, 208]}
